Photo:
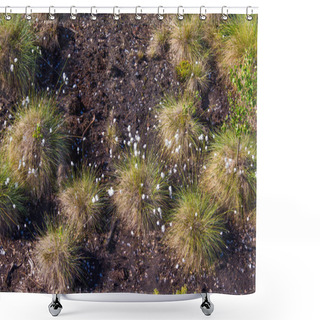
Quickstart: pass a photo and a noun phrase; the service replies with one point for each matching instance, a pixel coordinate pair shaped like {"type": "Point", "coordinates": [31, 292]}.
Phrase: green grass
{"type": "Point", "coordinates": [139, 192]}
{"type": "Point", "coordinates": [57, 258]}
{"type": "Point", "coordinates": [231, 172]}
{"type": "Point", "coordinates": [12, 198]}
{"type": "Point", "coordinates": [195, 235]}
{"type": "Point", "coordinates": [37, 144]}
{"type": "Point", "coordinates": [179, 130]}
{"type": "Point", "coordinates": [82, 201]}
{"type": "Point", "coordinates": [242, 100]}
{"type": "Point", "coordinates": [234, 39]}
{"type": "Point", "coordinates": [18, 54]}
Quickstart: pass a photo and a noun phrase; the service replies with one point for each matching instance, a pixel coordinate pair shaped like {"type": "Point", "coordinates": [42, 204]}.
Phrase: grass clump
{"type": "Point", "coordinates": [37, 144]}
{"type": "Point", "coordinates": [139, 195]}
{"type": "Point", "coordinates": [231, 172]}
{"type": "Point", "coordinates": [12, 198]}
{"type": "Point", "coordinates": [234, 39]}
{"type": "Point", "coordinates": [179, 129]}
{"type": "Point", "coordinates": [82, 201]}
{"type": "Point", "coordinates": [195, 235]}
{"type": "Point", "coordinates": [193, 74]}
{"type": "Point", "coordinates": [186, 40]}
{"type": "Point", "coordinates": [159, 42]}
{"type": "Point", "coordinates": [18, 54]}
{"type": "Point", "coordinates": [57, 257]}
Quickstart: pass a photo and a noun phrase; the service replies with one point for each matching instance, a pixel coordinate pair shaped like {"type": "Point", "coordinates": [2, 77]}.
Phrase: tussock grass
{"type": "Point", "coordinates": [159, 42]}
{"type": "Point", "coordinates": [234, 39]}
{"type": "Point", "coordinates": [12, 198]}
{"type": "Point", "coordinates": [194, 74]}
{"type": "Point", "coordinates": [186, 38]}
{"type": "Point", "coordinates": [18, 54]}
{"type": "Point", "coordinates": [140, 195]}
{"type": "Point", "coordinates": [179, 129]}
{"type": "Point", "coordinates": [57, 258]}
{"type": "Point", "coordinates": [37, 144]}
{"type": "Point", "coordinates": [230, 173]}
{"type": "Point", "coordinates": [195, 235]}
{"type": "Point", "coordinates": [82, 200]}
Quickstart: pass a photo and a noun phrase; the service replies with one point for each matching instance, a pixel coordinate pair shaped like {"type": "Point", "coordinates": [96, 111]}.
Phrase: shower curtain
{"type": "Point", "coordinates": [128, 154]}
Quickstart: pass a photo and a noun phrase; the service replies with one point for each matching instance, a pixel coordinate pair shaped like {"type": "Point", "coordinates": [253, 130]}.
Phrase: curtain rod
{"type": "Point", "coordinates": [130, 10]}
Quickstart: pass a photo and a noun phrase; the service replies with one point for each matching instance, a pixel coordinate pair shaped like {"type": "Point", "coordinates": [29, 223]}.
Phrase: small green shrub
{"type": "Point", "coordinates": [82, 201]}
{"type": "Point", "coordinates": [184, 70]}
{"type": "Point", "coordinates": [195, 235]}
{"type": "Point", "coordinates": [36, 145]}
{"type": "Point", "coordinates": [12, 198]}
{"type": "Point", "coordinates": [18, 54]}
{"type": "Point", "coordinates": [179, 129]}
{"type": "Point", "coordinates": [139, 193]}
{"type": "Point", "coordinates": [57, 258]}
{"type": "Point", "coordinates": [231, 172]}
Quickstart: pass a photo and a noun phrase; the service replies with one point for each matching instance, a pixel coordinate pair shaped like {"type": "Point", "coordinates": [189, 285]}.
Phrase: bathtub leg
{"type": "Point", "coordinates": [55, 306]}
{"type": "Point", "coordinates": [206, 305]}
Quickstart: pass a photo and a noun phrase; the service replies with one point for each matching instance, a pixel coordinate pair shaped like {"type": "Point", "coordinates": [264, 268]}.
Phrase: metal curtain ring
{"type": "Point", "coordinates": [52, 11]}
{"type": "Point", "coordinates": [93, 15]}
{"type": "Point", "coordinates": [203, 12]}
{"type": "Point", "coordinates": [160, 15]}
{"type": "Point", "coordinates": [73, 13]}
{"type": "Point", "coordinates": [28, 13]}
{"type": "Point", "coordinates": [116, 15]}
{"type": "Point", "coordinates": [224, 13]}
{"type": "Point", "coordinates": [180, 13]}
{"type": "Point", "coordinates": [249, 15]}
{"type": "Point", "coordinates": [7, 16]}
{"type": "Point", "coordinates": [138, 16]}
